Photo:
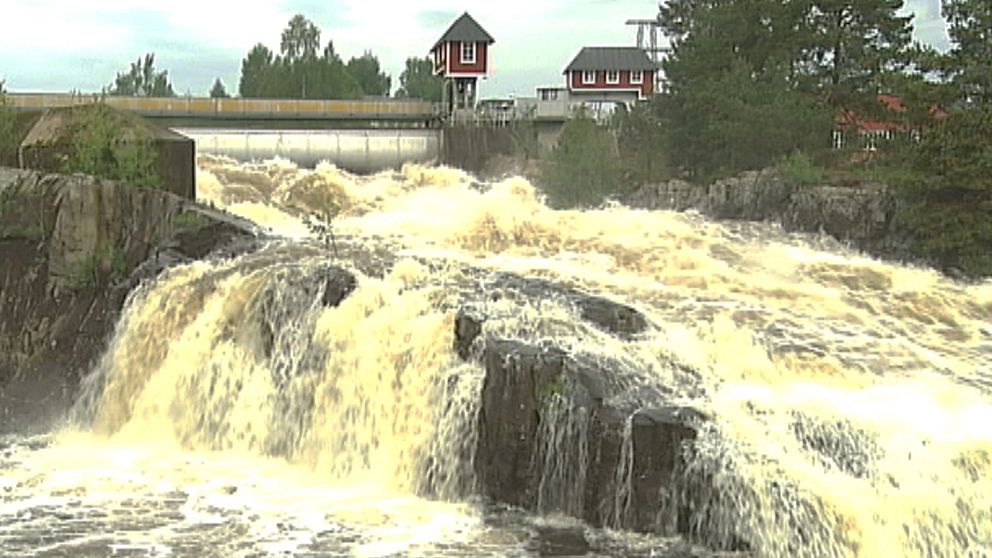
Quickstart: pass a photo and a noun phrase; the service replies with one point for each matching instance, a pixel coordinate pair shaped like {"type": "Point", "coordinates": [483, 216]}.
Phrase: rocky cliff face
{"type": "Point", "coordinates": [559, 432]}
{"type": "Point", "coordinates": [72, 248]}
{"type": "Point", "coordinates": [862, 216]}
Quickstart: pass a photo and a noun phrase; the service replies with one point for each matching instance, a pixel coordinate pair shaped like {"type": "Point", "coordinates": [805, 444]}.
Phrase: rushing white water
{"type": "Point", "coordinates": [850, 400]}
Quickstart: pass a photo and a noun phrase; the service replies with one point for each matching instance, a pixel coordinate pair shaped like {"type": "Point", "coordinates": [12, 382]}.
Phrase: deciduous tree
{"type": "Point", "coordinates": [418, 80]}
{"type": "Point", "coordinates": [142, 80]}
{"type": "Point", "coordinates": [366, 71]}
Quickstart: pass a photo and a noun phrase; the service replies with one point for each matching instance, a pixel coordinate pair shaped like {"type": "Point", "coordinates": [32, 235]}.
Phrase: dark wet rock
{"type": "Point", "coordinates": [560, 541]}
{"type": "Point", "coordinates": [467, 330]}
{"type": "Point", "coordinates": [338, 284]}
{"type": "Point", "coordinates": [72, 248]}
{"type": "Point", "coordinates": [658, 436]}
{"type": "Point", "coordinates": [555, 435]}
{"type": "Point", "coordinates": [860, 214]}
{"type": "Point", "coordinates": [613, 317]}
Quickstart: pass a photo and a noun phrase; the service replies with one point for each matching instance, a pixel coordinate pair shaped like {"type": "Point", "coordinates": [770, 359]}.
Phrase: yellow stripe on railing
{"type": "Point", "coordinates": [202, 106]}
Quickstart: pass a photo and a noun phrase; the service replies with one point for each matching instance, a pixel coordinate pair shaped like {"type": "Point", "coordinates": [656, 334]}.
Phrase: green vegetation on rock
{"type": "Point", "coordinates": [799, 168]}
{"type": "Point", "coordinates": [190, 222]}
{"type": "Point", "coordinates": [106, 266]}
{"type": "Point", "coordinates": [8, 126]}
{"type": "Point", "coordinates": [105, 143]}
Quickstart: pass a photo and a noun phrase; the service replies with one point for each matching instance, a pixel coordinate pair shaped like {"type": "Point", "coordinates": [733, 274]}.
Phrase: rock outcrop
{"type": "Point", "coordinates": [72, 248]}
{"type": "Point", "coordinates": [557, 434]}
{"type": "Point", "coordinates": [863, 216]}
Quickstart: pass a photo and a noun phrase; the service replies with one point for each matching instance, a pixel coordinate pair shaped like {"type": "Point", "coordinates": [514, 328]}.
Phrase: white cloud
{"type": "Point", "coordinates": [67, 44]}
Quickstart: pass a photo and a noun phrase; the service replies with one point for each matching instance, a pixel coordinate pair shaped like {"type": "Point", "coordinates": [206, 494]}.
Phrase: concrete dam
{"type": "Point", "coordinates": [355, 150]}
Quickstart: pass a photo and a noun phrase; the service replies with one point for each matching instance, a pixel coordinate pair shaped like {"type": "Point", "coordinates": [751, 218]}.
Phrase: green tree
{"type": "Point", "coordinates": [218, 91]}
{"type": "Point", "coordinates": [584, 168]}
{"type": "Point", "coordinates": [950, 192]}
{"type": "Point", "coordinates": [300, 40]}
{"type": "Point", "coordinates": [419, 82]}
{"type": "Point", "coordinates": [969, 63]}
{"type": "Point", "coordinates": [298, 73]}
{"type": "Point", "coordinates": [256, 72]}
{"type": "Point", "coordinates": [643, 145]}
{"type": "Point", "coordinates": [855, 43]}
{"type": "Point", "coordinates": [367, 72]}
{"type": "Point", "coordinates": [142, 80]}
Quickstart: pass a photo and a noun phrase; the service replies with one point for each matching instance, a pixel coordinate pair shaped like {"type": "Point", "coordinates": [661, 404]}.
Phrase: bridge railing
{"type": "Point", "coordinates": [236, 107]}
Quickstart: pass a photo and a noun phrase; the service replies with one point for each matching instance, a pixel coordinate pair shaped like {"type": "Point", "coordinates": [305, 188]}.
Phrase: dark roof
{"type": "Point", "coordinates": [465, 29]}
{"type": "Point", "coordinates": [611, 58]}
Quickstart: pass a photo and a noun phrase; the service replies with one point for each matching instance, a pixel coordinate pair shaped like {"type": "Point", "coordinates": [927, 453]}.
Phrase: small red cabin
{"type": "Point", "coordinates": [611, 74]}
{"type": "Point", "coordinates": [461, 56]}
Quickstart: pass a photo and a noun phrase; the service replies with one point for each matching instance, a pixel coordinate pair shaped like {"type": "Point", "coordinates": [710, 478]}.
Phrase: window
{"type": "Point", "coordinates": [636, 77]}
{"type": "Point", "coordinates": [468, 53]}
{"type": "Point", "coordinates": [613, 77]}
{"type": "Point", "coordinates": [588, 78]}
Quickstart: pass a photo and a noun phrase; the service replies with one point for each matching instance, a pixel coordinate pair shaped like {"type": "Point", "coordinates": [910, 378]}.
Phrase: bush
{"type": "Point", "coordinates": [800, 169]}
{"type": "Point", "coordinates": [8, 130]}
{"type": "Point", "coordinates": [105, 144]}
{"type": "Point", "coordinates": [584, 168]}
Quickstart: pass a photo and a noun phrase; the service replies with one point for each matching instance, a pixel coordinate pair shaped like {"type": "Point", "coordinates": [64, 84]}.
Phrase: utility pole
{"type": "Point", "coordinates": [648, 32]}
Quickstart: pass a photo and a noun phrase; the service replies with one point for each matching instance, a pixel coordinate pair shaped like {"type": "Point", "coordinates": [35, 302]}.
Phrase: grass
{"type": "Point", "coordinates": [95, 269]}
{"type": "Point", "coordinates": [190, 222]}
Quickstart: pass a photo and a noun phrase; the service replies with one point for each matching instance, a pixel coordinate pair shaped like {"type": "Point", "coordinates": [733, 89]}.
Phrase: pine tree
{"type": "Point", "coordinates": [969, 63]}
{"type": "Point", "coordinates": [218, 91]}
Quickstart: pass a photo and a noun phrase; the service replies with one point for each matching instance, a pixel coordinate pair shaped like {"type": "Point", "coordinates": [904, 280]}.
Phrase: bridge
{"type": "Point", "coordinates": [201, 112]}
{"type": "Point", "coordinates": [358, 135]}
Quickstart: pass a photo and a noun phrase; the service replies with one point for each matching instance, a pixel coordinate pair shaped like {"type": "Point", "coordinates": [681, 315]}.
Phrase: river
{"type": "Point", "coordinates": [849, 401]}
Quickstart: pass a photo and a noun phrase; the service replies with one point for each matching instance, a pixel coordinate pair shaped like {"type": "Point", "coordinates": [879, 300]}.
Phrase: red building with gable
{"type": "Point", "coordinates": [611, 74]}
{"type": "Point", "coordinates": [461, 56]}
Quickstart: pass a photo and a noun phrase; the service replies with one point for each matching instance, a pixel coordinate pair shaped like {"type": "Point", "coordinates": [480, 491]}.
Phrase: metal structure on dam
{"type": "Point", "coordinates": [357, 135]}
{"type": "Point", "coordinates": [359, 151]}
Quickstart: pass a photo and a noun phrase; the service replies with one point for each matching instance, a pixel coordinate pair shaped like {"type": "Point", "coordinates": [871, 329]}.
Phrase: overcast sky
{"type": "Point", "coordinates": [62, 45]}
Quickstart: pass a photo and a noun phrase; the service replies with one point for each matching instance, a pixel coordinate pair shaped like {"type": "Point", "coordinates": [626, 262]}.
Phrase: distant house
{"type": "Point", "coordinates": [461, 56]}
{"type": "Point", "coordinates": [611, 74]}
{"type": "Point", "coordinates": [869, 132]}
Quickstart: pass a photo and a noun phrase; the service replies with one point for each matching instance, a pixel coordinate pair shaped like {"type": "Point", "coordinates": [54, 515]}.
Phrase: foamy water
{"type": "Point", "coordinates": [850, 399]}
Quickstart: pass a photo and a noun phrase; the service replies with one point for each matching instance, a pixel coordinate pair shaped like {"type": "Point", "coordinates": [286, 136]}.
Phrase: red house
{"type": "Point", "coordinates": [461, 57]}
{"type": "Point", "coordinates": [604, 74]}
{"type": "Point", "coordinates": [870, 131]}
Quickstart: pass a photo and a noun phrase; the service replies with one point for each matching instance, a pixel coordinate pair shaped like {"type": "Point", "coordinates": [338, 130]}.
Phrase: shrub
{"type": "Point", "coordinates": [584, 168]}
{"type": "Point", "coordinates": [800, 169]}
{"type": "Point", "coordinates": [106, 145]}
{"type": "Point", "coordinates": [8, 130]}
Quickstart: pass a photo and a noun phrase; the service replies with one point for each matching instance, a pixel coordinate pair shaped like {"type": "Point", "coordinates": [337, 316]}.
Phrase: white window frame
{"type": "Point", "coordinates": [588, 77]}
{"type": "Point", "coordinates": [613, 77]}
{"type": "Point", "coordinates": [636, 77]}
{"type": "Point", "coordinates": [468, 47]}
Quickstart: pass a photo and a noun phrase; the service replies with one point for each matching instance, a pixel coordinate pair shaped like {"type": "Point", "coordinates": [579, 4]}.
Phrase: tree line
{"type": "Point", "coordinates": [301, 69]}
{"type": "Point", "coordinates": [757, 84]}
